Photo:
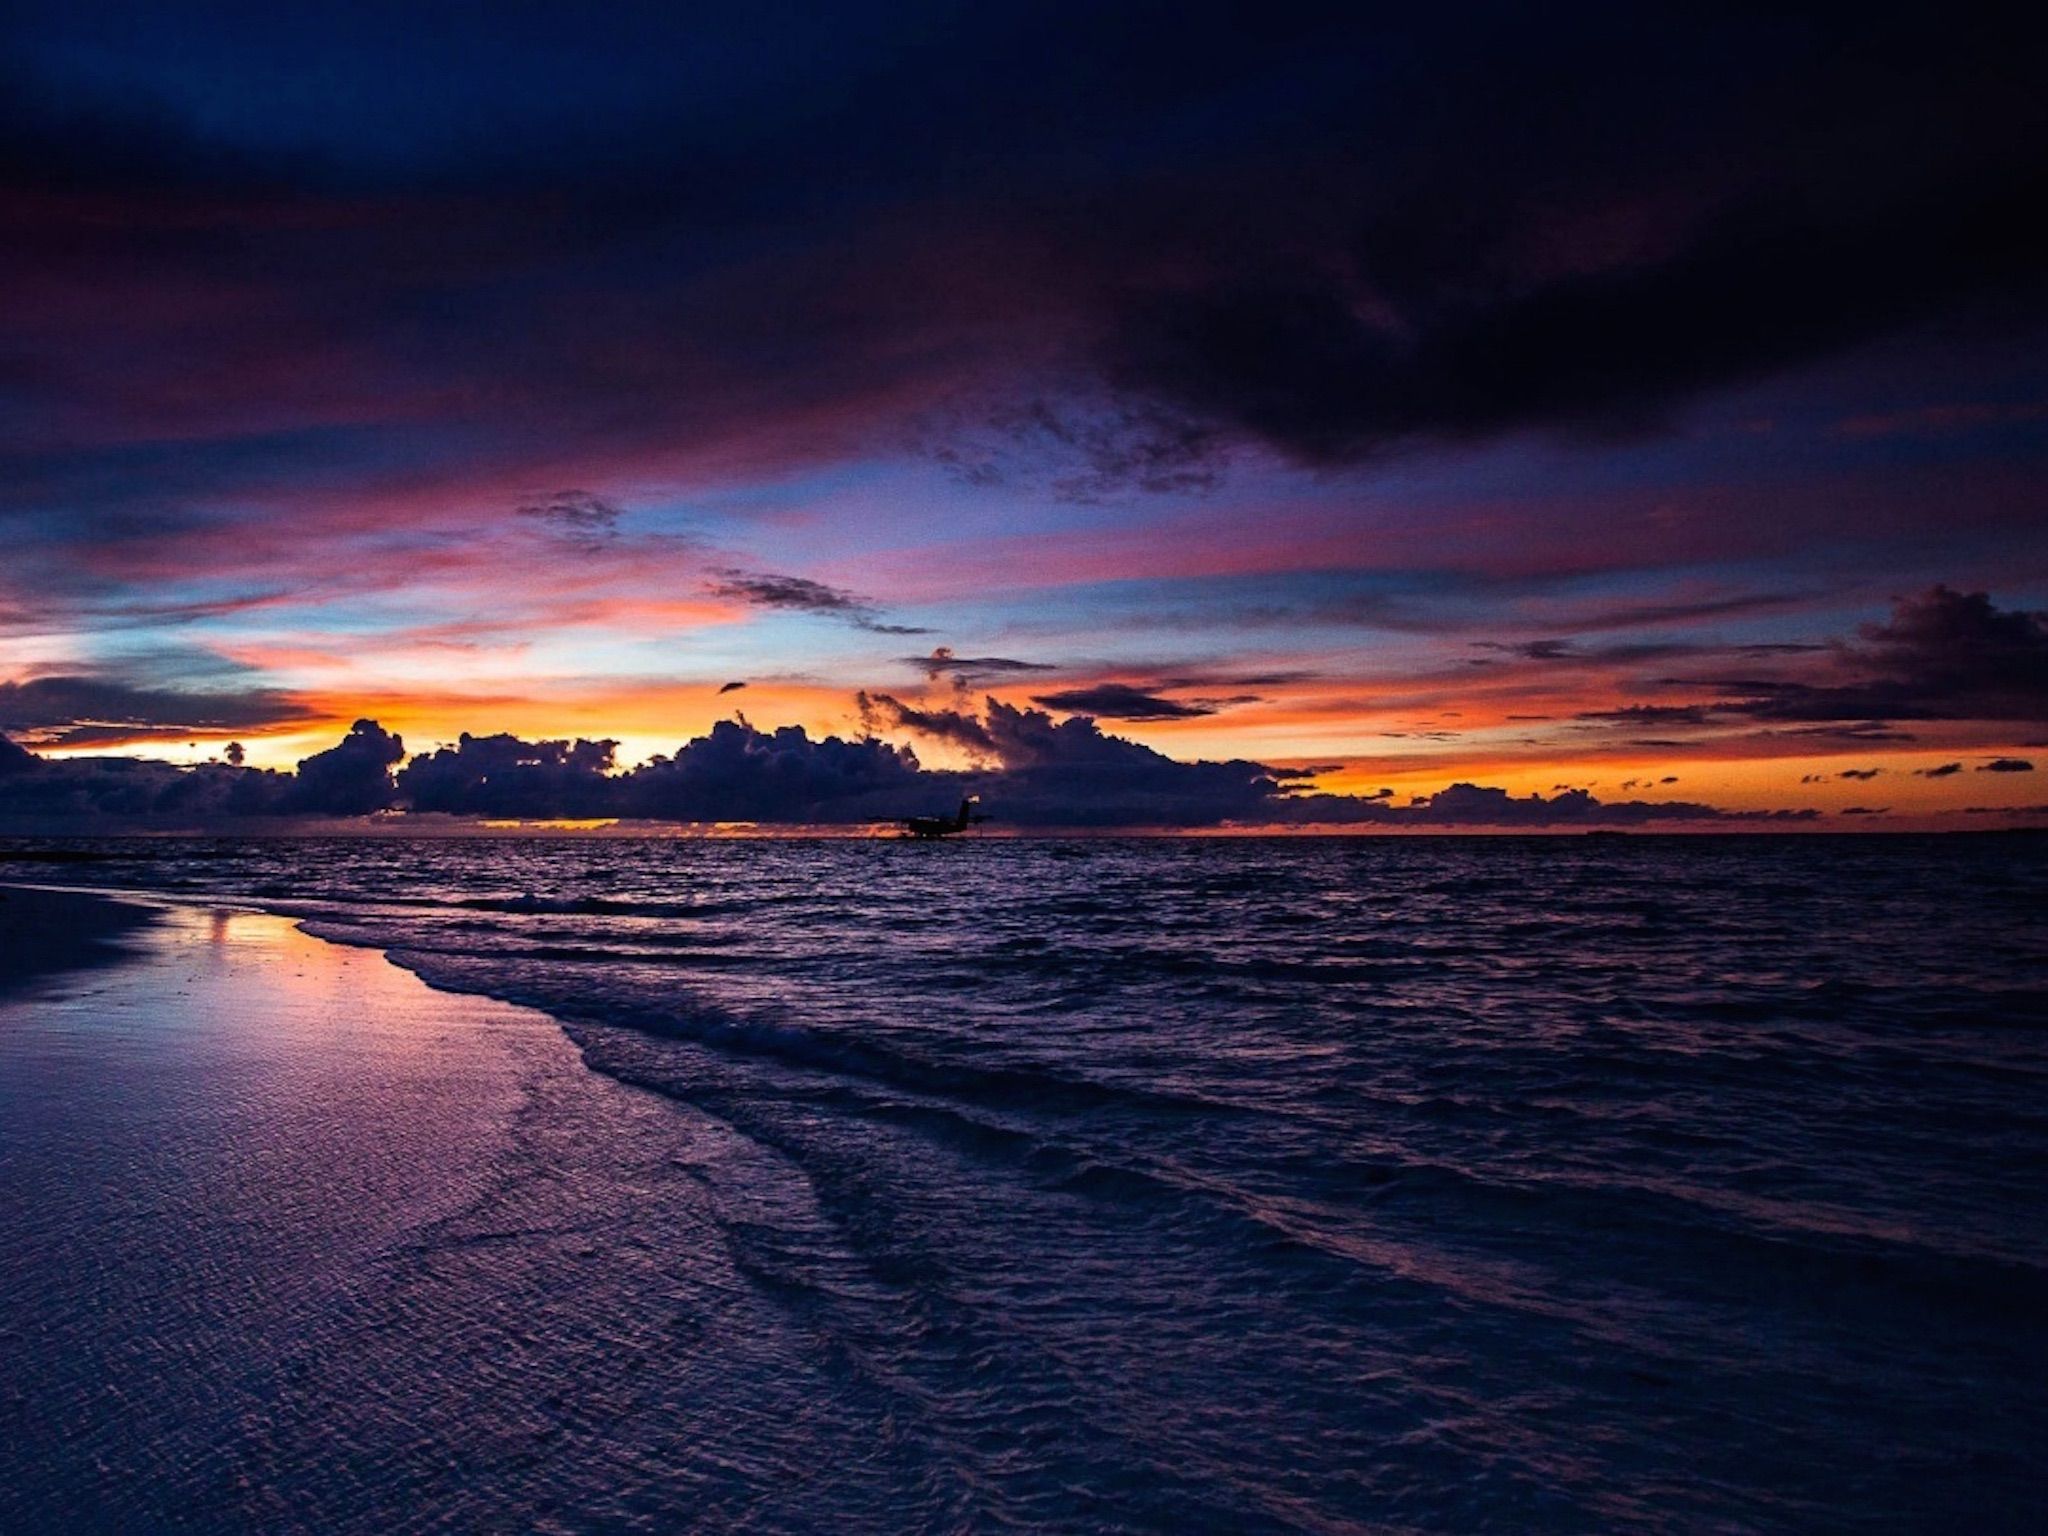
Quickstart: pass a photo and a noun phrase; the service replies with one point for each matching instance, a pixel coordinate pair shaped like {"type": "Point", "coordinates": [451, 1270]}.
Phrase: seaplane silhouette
{"type": "Point", "coordinates": [945, 826]}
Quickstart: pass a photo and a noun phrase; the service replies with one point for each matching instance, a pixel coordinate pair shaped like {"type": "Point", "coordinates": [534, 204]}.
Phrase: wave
{"type": "Point", "coordinates": [948, 1101]}
{"type": "Point", "coordinates": [577, 997]}
{"type": "Point", "coordinates": [527, 905]}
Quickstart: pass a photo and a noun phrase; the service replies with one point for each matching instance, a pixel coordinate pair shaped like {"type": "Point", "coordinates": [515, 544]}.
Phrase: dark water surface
{"type": "Point", "coordinates": [1659, 1184]}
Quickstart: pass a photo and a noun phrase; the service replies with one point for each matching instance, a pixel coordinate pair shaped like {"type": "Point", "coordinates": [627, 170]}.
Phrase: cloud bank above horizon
{"type": "Point", "coordinates": [1038, 773]}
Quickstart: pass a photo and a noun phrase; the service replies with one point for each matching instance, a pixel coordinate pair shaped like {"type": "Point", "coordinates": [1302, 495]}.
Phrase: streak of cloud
{"type": "Point", "coordinates": [799, 594]}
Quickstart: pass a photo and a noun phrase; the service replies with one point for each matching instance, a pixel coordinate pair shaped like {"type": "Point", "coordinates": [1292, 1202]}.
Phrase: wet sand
{"type": "Point", "coordinates": [46, 933]}
{"type": "Point", "coordinates": [289, 1241]}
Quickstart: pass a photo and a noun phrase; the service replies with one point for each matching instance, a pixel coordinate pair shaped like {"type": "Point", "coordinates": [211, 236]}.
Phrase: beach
{"type": "Point", "coordinates": [290, 1242]}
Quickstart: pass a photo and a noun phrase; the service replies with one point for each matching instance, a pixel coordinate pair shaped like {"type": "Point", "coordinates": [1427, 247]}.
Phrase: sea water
{"type": "Point", "coordinates": [1576, 1184]}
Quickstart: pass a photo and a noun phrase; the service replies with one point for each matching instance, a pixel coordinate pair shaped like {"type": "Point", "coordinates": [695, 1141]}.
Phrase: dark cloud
{"type": "Point", "coordinates": [1120, 701]}
{"type": "Point", "coordinates": [1945, 771]}
{"type": "Point", "coordinates": [1332, 229]}
{"type": "Point", "coordinates": [738, 773]}
{"type": "Point", "coordinates": [82, 709]}
{"type": "Point", "coordinates": [1047, 772]}
{"type": "Point", "coordinates": [957, 727]}
{"type": "Point", "coordinates": [1942, 627]}
{"type": "Point", "coordinates": [2006, 765]}
{"type": "Point", "coordinates": [1629, 652]}
{"type": "Point", "coordinates": [1480, 293]}
{"type": "Point", "coordinates": [1334, 370]}
{"type": "Point", "coordinates": [1533, 650]}
{"type": "Point", "coordinates": [1866, 810]}
{"type": "Point", "coordinates": [99, 793]}
{"type": "Point", "coordinates": [1856, 731]}
{"type": "Point", "coordinates": [944, 663]}
{"type": "Point", "coordinates": [352, 778]}
{"type": "Point", "coordinates": [506, 777]}
{"type": "Point", "coordinates": [1943, 655]}
{"type": "Point", "coordinates": [1037, 771]}
{"type": "Point", "coordinates": [1070, 772]}
{"type": "Point", "coordinates": [583, 519]}
{"type": "Point", "coordinates": [1473, 805]}
{"type": "Point", "coordinates": [1651, 714]}
{"type": "Point", "coordinates": [1865, 774]}
{"type": "Point", "coordinates": [799, 594]}
{"type": "Point", "coordinates": [731, 687]}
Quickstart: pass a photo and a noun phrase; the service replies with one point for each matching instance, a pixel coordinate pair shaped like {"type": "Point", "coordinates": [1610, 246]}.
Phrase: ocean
{"type": "Point", "coordinates": [1663, 1184]}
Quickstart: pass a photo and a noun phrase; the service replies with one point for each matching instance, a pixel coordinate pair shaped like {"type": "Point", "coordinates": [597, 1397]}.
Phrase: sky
{"type": "Point", "coordinates": [1185, 415]}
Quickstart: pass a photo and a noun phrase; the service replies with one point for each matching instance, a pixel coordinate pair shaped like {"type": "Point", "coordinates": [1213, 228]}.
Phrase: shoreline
{"type": "Point", "coordinates": [267, 1193]}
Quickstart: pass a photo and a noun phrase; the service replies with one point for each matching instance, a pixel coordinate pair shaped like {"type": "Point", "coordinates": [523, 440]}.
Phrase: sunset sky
{"type": "Point", "coordinates": [1652, 403]}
